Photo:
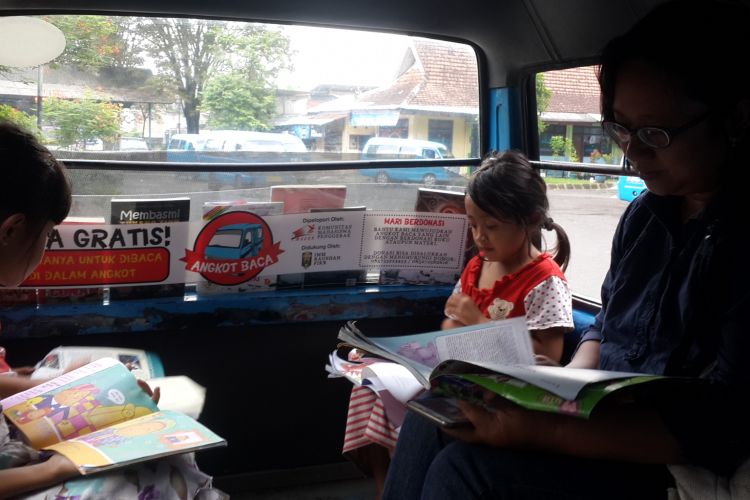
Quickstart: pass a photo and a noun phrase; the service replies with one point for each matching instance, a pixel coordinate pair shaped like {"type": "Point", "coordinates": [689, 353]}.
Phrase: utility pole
{"type": "Point", "coordinates": [39, 82]}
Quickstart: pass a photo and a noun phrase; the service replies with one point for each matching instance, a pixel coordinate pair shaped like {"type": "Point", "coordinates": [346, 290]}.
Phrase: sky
{"type": "Point", "coordinates": [324, 55]}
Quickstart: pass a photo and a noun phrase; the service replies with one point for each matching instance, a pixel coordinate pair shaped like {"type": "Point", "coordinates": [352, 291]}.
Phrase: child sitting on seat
{"type": "Point", "coordinates": [506, 204]}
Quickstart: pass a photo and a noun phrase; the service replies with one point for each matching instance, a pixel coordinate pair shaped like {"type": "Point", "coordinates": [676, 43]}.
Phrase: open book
{"type": "Point", "coordinates": [498, 357]}
{"type": "Point", "coordinates": [99, 418]}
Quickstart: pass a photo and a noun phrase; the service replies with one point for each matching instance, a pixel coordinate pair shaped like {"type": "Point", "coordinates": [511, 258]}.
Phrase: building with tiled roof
{"type": "Point", "coordinates": [573, 113]}
{"type": "Point", "coordinates": [434, 96]}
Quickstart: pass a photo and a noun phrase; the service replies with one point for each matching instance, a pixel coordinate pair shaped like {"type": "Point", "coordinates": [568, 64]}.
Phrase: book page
{"type": "Point", "coordinates": [93, 397]}
{"type": "Point", "coordinates": [396, 379]}
{"type": "Point", "coordinates": [506, 342]}
{"type": "Point", "coordinates": [150, 436]}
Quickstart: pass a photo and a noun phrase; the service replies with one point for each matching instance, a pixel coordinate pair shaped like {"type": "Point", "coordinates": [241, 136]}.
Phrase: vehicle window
{"type": "Point", "coordinates": [333, 90]}
{"type": "Point", "coordinates": [588, 206]}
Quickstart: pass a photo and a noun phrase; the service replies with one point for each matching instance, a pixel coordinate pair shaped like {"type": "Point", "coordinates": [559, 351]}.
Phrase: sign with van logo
{"type": "Point", "coordinates": [232, 249]}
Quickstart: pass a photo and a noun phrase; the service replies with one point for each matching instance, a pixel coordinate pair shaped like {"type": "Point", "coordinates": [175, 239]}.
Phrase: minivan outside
{"type": "Point", "coordinates": [387, 148]}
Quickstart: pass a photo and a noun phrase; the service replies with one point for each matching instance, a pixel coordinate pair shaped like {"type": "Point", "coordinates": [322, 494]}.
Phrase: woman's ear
{"type": "Point", "coordinates": [12, 227]}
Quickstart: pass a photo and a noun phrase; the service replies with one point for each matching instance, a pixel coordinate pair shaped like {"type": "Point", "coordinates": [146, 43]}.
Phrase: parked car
{"type": "Point", "coordinates": [133, 144]}
{"type": "Point", "coordinates": [386, 148]}
{"type": "Point", "coordinates": [628, 187]}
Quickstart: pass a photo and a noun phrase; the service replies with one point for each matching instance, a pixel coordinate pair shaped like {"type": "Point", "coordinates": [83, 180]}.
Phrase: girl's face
{"type": "Point", "coordinates": [21, 252]}
{"type": "Point", "coordinates": [689, 166]}
{"type": "Point", "coordinates": [498, 240]}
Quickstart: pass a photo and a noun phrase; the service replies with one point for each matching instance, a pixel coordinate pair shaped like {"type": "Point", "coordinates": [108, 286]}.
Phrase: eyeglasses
{"type": "Point", "coordinates": [653, 137]}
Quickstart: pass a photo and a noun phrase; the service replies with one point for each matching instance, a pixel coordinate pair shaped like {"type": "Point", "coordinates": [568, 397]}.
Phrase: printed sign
{"type": "Point", "coordinates": [232, 249]}
{"type": "Point", "coordinates": [236, 247]}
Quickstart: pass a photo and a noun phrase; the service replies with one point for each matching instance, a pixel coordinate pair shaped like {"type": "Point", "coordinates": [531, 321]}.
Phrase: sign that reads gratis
{"type": "Point", "coordinates": [79, 255]}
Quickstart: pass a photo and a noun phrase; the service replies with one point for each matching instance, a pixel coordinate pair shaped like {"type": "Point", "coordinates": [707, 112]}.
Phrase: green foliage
{"type": "Point", "coordinates": [237, 103]}
{"type": "Point", "coordinates": [190, 52]}
{"type": "Point", "coordinates": [557, 145]}
{"type": "Point", "coordinates": [563, 147]}
{"type": "Point", "coordinates": [543, 96]}
{"type": "Point", "coordinates": [79, 121]}
{"type": "Point", "coordinates": [27, 122]}
{"type": "Point", "coordinates": [90, 41]}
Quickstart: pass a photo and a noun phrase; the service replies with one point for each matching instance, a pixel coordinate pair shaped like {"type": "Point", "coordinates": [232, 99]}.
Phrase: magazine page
{"type": "Point", "coordinates": [504, 341]}
{"type": "Point", "coordinates": [93, 397]}
{"type": "Point", "coordinates": [394, 378]}
{"type": "Point", "coordinates": [150, 436]}
{"type": "Point", "coordinates": [470, 387]}
{"type": "Point", "coordinates": [563, 382]}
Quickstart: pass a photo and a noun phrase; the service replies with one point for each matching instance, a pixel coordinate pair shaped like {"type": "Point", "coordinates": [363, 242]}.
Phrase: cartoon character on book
{"type": "Point", "coordinates": [75, 411]}
{"type": "Point", "coordinates": [114, 437]}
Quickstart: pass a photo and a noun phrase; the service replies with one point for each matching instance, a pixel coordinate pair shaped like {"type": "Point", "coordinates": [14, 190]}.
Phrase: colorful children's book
{"type": "Point", "coordinates": [99, 418]}
{"type": "Point", "coordinates": [497, 357]}
{"type": "Point", "coordinates": [145, 211]}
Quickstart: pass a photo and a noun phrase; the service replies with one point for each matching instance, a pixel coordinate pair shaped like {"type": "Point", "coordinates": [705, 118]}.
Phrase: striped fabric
{"type": "Point", "coordinates": [367, 423]}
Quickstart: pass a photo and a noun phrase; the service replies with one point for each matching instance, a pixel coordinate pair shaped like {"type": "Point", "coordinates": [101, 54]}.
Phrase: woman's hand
{"type": "Point", "coordinates": [154, 394]}
{"type": "Point", "coordinates": [459, 307]}
{"type": "Point", "coordinates": [506, 426]}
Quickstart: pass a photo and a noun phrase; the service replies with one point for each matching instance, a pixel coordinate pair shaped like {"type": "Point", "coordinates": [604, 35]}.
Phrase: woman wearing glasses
{"type": "Point", "coordinates": [673, 302]}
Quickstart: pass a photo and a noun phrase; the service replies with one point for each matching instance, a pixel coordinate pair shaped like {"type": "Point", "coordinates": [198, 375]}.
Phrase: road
{"type": "Point", "coordinates": [588, 216]}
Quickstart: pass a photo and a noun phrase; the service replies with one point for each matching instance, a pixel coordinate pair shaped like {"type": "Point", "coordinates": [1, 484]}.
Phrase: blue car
{"type": "Point", "coordinates": [628, 187]}
{"type": "Point", "coordinates": [235, 241]}
{"type": "Point", "coordinates": [429, 176]}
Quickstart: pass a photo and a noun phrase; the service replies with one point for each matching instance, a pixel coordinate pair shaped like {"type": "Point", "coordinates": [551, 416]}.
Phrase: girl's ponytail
{"type": "Point", "coordinates": [562, 249]}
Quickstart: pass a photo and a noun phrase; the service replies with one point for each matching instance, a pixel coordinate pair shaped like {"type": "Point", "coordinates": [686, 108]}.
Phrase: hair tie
{"type": "Point", "coordinates": [547, 225]}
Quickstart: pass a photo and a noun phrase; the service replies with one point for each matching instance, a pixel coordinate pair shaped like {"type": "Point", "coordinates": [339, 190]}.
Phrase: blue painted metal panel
{"type": "Point", "coordinates": [232, 310]}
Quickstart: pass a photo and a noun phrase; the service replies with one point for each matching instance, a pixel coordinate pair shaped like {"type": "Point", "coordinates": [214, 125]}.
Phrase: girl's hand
{"type": "Point", "coordinates": [507, 426]}
{"type": "Point", "coordinates": [459, 307]}
{"type": "Point", "coordinates": [60, 467]}
{"type": "Point", "coordinates": [155, 394]}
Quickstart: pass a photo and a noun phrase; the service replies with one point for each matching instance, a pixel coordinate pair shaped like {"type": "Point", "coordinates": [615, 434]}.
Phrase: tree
{"type": "Point", "coordinates": [90, 41]}
{"type": "Point", "coordinates": [80, 121]}
{"type": "Point", "coordinates": [26, 122]}
{"type": "Point", "coordinates": [189, 52]}
{"type": "Point", "coordinates": [238, 103]}
{"type": "Point", "coordinates": [543, 96]}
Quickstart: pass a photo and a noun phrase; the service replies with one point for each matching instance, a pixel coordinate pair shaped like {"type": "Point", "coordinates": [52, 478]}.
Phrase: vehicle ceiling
{"type": "Point", "coordinates": [515, 35]}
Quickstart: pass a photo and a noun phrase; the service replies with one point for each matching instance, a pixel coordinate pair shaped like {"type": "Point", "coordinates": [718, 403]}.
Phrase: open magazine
{"type": "Point", "coordinates": [498, 357]}
{"type": "Point", "coordinates": [99, 418]}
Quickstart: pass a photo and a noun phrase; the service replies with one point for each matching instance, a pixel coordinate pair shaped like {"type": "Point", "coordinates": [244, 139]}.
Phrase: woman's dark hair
{"type": "Point", "coordinates": [507, 187]}
{"type": "Point", "coordinates": [701, 43]}
{"type": "Point", "coordinates": [32, 181]}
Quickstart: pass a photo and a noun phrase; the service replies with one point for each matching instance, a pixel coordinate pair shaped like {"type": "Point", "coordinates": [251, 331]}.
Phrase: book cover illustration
{"type": "Point", "coordinates": [303, 199]}
{"type": "Point", "coordinates": [213, 209]}
{"type": "Point", "coordinates": [150, 436]}
{"type": "Point", "coordinates": [85, 400]}
{"type": "Point", "coordinates": [145, 211]}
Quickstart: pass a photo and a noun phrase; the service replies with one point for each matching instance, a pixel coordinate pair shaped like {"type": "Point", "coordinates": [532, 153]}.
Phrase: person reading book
{"type": "Point", "coordinates": [35, 195]}
{"type": "Point", "coordinates": [507, 208]}
{"type": "Point", "coordinates": [673, 300]}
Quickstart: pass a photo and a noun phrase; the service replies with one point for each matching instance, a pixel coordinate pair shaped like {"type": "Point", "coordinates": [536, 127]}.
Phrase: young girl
{"type": "Point", "coordinates": [34, 196]}
{"type": "Point", "coordinates": [506, 203]}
